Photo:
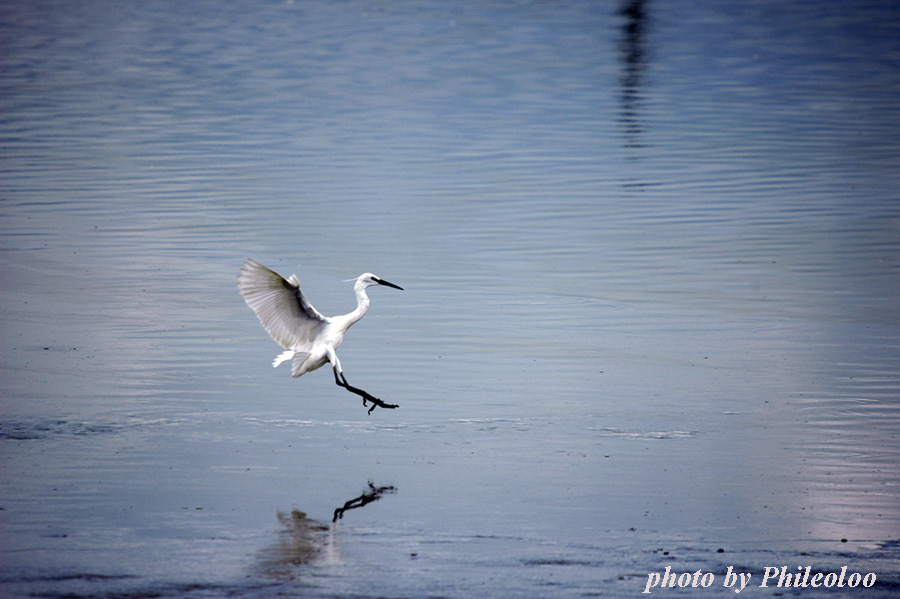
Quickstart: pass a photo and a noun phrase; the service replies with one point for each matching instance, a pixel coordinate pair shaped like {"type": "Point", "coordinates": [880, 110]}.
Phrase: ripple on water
{"type": "Point", "coordinates": [41, 429]}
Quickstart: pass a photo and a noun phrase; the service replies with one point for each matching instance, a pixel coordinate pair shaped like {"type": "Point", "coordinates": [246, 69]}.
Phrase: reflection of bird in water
{"type": "Point", "coordinates": [303, 542]}
{"type": "Point", "coordinates": [300, 542]}
{"type": "Point", "coordinates": [310, 338]}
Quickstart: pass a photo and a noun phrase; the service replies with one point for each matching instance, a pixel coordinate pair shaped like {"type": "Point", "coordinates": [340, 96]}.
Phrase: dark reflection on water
{"type": "Point", "coordinates": [373, 494]}
{"type": "Point", "coordinates": [634, 62]}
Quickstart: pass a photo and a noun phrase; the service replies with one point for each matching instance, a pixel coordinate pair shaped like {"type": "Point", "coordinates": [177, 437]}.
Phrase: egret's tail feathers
{"type": "Point", "coordinates": [282, 357]}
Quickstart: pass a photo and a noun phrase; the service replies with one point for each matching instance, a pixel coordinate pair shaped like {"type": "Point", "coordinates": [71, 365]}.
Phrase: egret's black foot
{"type": "Point", "coordinates": [377, 403]}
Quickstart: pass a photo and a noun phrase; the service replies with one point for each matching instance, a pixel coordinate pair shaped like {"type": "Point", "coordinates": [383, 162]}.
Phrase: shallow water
{"type": "Point", "coordinates": [652, 268]}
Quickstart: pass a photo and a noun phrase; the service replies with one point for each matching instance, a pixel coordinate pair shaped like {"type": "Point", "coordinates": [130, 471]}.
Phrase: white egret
{"type": "Point", "coordinates": [309, 337]}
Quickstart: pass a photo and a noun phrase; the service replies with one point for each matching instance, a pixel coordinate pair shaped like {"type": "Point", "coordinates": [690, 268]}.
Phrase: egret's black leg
{"type": "Point", "coordinates": [376, 403]}
{"type": "Point", "coordinates": [345, 385]}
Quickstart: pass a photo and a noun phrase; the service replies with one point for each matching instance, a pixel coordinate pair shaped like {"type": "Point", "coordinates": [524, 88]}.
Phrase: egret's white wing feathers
{"type": "Point", "coordinates": [280, 305]}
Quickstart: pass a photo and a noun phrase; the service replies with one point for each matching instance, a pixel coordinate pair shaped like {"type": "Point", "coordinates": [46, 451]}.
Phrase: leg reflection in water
{"type": "Point", "coordinates": [373, 494]}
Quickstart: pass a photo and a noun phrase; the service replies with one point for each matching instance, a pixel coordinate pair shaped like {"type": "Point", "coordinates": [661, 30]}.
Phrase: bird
{"type": "Point", "coordinates": [309, 338]}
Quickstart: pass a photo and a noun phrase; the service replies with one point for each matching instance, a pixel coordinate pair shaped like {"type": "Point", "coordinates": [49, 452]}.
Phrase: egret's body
{"type": "Point", "coordinates": [309, 338]}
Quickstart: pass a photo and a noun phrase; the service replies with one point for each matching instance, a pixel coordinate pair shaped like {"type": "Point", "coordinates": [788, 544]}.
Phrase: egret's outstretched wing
{"type": "Point", "coordinates": [279, 304]}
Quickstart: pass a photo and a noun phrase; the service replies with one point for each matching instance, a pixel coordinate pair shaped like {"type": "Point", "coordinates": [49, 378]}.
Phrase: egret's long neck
{"type": "Point", "coordinates": [362, 306]}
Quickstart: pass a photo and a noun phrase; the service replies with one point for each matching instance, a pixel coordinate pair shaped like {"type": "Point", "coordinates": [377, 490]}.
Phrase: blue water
{"type": "Point", "coordinates": [651, 261]}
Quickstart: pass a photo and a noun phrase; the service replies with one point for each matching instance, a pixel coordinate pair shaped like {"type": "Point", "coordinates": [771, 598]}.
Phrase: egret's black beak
{"type": "Point", "coordinates": [383, 282]}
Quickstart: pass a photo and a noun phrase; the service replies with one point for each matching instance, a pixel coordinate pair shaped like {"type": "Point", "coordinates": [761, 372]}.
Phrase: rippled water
{"type": "Point", "coordinates": [651, 256]}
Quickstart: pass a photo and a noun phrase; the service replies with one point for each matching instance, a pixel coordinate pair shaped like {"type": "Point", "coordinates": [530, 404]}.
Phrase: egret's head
{"type": "Point", "coordinates": [368, 279]}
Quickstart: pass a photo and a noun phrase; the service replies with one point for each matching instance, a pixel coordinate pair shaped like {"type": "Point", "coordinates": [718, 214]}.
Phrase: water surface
{"type": "Point", "coordinates": [652, 267]}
